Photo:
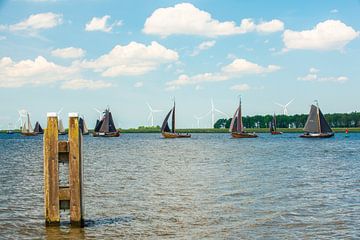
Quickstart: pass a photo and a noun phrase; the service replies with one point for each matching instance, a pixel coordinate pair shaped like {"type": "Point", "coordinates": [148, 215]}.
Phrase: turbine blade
{"type": "Point", "coordinates": [279, 104]}
{"type": "Point", "coordinates": [217, 110]}
{"type": "Point", "coordinates": [289, 102]}
{"type": "Point", "coordinates": [150, 108]}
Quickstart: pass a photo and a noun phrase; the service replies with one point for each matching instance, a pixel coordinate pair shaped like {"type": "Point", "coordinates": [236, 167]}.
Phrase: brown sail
{"type": "Point", "coordinates": [106, 127]}
{"type": "Point", "coordinates": [273, 126]}
{"type": "Point", "coordinates": [237, 127]}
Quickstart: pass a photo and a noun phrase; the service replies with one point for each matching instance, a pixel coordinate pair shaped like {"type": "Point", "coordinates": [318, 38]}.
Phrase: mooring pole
{"type": "Point", "coordinates": [67, 152]}
{"type": "Point", "coordinates": [51, 171]}
{"type": "Point", "coordinates": [75, 170]}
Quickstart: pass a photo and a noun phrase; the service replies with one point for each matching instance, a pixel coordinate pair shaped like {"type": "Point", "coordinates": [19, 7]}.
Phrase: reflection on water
{"type": "Point", "coordinates": [209, 186]}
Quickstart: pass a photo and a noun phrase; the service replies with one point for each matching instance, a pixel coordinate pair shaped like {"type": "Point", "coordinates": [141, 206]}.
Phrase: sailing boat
{"type": "Point", "coordinates": [83, 127]}
{"type": "Point", "coordinates": [38, 129]}
{"type": "Point", "coordinates": [27, 129]}
{"type": "Point", "coordinates": [170, 133]}
{"type": "Point", "coordinates": [106, 127]}
{"type": "Point", "coordinates": [273, 126]}
{"type": "Point", "coordinates": [61, 128]}
{"type": "Point", "coordinates": [316, 125]}
{"type": "Point", "coordinates": [237, 127]}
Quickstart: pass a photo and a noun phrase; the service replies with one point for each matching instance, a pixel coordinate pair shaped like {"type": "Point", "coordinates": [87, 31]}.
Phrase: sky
{"type": "Point", "coordinates": [81, 55]}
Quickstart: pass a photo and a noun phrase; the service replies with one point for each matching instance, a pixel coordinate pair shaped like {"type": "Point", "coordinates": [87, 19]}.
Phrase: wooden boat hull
{"type": "Point", "coordinates": [276, 133]}
{"type": "Point", "coordinates": [28, 134]}
{"type": "Point", "coordinates": [317, 135]}
{"type": "Point", "coordinates": [175, 135]}
{"type": "Point", "coordinates": [243, 135]}
{"type": "Point", "coordinates": [110, 134]}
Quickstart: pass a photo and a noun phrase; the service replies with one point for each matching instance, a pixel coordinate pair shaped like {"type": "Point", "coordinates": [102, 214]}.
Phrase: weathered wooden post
{"type": "Point", "coordinates": [67, 152]}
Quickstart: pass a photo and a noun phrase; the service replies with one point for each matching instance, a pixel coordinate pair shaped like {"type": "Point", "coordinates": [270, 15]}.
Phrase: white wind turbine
{"type": "Point", "coordinates": [198, 118]}
{"type": "Point", "coordinates": [285, 110]}
{"type": "Point", "coordinates": [22, 116]}
{"type": "Point", "coordinates": [99, 112]}
{"type": "Point", "coordinates": [212, 111]}
{"type": "Point", "coordinates": [151, 113]}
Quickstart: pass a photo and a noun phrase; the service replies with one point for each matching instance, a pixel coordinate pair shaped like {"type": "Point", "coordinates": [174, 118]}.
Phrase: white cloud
{"type": "Point", "coordinates": [185, 18]}
{"type": "Point", "coordinates": [101, 24]}
{"type": "Point", "coordinates": [274, 25]}
{"type": "Point", "coordinates": [238, 68]}
{"type": "Point", "coordinates": [240, 87]}
{"type": "Point", "coordinates": [69, 52]}
{"type": "Point", "coordinates": [138, 84]}
{"type": "Point", "coordinates": [313, 76]}
{"type": "Point", "coordinates": [31, 72]}
{"type": "Point", "coordinates": [132, 59]}
{"type": "Point", "coordinates": [327, 35]}
{"type": "Point", "coordinates": [37, 22]}
{"type": "Point", "coordinates": [203, 46]}
{"type": "Point", "coordinates": [334, 11]}
{"type": "Point", "coordinates": [77, 84]}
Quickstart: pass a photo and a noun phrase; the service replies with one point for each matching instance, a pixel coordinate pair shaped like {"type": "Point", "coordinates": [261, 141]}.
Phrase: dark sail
{"type": "Point", "coordinates": [312, 124]}
{"type": "Point", "coordinates": [97, 125]}
{"type": "Point", "coordinates": [112, 127]}
{"type": "Point", "coordinates": [325, 128]}
{"type": "Point", "coordinates": [273, 124]}
{"type": "Point", "coordinates": [81, 124]}
{"type": "Point", "coordinates": [106, 125]}
{"type": "Point", "coordinates": [165, 126]}
{"type": "Point", "coordinates": [239, 123]}
{"type": "Point", "coordinates": [38, 128]}
{"type": "Point", "coordinates": [173, 120]}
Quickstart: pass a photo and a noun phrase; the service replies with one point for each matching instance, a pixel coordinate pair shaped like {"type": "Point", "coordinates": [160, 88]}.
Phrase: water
{"type": "Point", "coordinates": [207, 187]}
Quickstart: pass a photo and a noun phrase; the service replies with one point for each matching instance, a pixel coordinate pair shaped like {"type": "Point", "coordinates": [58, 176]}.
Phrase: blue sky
{"type": "Point", "coordinates": [80, 55]}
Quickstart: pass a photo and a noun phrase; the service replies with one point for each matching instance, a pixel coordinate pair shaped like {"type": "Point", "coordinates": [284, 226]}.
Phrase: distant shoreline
{"type": "Point", "coordinates": [220, 130]}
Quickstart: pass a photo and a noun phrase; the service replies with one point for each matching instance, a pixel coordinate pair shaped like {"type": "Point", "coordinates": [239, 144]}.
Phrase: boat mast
{"type": "Point", "coordinates": [239, 120]}
{"type": "Point", "coordinates": [318, 115]}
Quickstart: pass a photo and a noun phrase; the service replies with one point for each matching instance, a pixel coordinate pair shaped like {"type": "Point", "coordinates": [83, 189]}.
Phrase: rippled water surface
{"type": "Point", "coordinates": [206, 187]}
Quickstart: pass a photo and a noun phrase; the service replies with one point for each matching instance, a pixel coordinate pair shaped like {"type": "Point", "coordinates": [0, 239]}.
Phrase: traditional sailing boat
{"type": "Point", "coordinates": [106, 127]}
{"type": "Point", "coordinates": [316, 125]}
{"type": "Point", "coordinates": [170, 133]}
{"type": "Point", "coordinates": [38, 129]}
{"type": "Point", "coordinates": [273, 126]}
{"type": "Point", "coordinates": [61, 128]}
{"type": "Point", "coordinates": [237, 127]}
{"type": "Point", "coordinates": [83, 127]}
{"type": "Point", "coordinates": [27, 129]}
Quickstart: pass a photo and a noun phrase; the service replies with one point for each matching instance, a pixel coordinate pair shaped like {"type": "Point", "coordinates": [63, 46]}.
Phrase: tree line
{"type": "Point", "coordinates": [294, 121]}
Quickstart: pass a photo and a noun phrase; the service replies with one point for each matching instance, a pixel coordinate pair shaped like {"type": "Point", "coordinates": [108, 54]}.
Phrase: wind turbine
{"type": "Point", "coordinates": [198, 118]}
{"type": "Point", "coordinates": [22, 115]}
{"type": "Point", "coordinates": [100, 113]}
{"type": "Point", "coordinates": [285, 110]}
{"type": "Point", "coordinates": [151, 113]}
{"type": "Point", "coordinates": [212, 111]}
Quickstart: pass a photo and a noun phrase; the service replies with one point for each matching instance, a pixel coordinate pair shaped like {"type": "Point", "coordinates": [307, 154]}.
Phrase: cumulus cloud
{"type": "Point", "coordinates": [238, 68]}
{"type": "Point", "coordinates": [203, 46]}
{"type": "Point", "coordinates": [185, 18]}
{"type": "Point", "coordinates": [69, 52]}
{"type": "Point", "coordinates": [240, 87]}
{"type": "Point", "coordinates": [101, 24]}
{"type": "Point", "coordinates": [77, 84]}
{"type": "Point", "coordinates": [327, 35]}
{"type": "Point", "coordinates": [313, 76]}
{"type": "Point", "coordinates": [31, 72]}
{"type": "Point", "coordinates": [132, 59]}
{"type": "Point", "coordinates": [36, 22]}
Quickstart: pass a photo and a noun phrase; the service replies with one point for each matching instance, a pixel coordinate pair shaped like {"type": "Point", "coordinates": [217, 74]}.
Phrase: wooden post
{"type": "Point", "coordinates": [75, 170]}
{"type": "Point", "coordinates": [51, 175]}
{"type": "Point", "coordinates": [67, 152]}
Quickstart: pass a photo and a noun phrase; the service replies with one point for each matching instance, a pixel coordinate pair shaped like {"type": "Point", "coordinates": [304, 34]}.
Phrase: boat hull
{"type": "Point", "coordinates": [317, 135]}
{"type": "Point", "coordinates": [110, 134]}
{"type": "Point", "coordinates": [175, 135]}
{"type": "Point", "coordinates": [243, 135]}
{"type": "Point", "coordinates": [28, 134]}
{"type": "Point", "coordinates": [276, 133]}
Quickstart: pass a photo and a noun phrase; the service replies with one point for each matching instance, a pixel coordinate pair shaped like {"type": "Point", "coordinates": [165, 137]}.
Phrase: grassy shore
{"type": "Point", "coordinates": [219, 130]}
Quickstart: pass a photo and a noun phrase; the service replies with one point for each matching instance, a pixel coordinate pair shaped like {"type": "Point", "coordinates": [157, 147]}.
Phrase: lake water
{"type": "Point", "coordinates": [207, 187]}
